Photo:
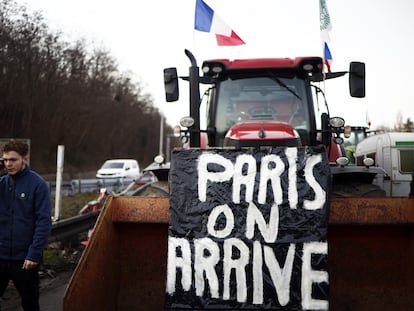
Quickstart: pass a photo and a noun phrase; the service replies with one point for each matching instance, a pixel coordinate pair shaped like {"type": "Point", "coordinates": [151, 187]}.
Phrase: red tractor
{"type": "Point", "coordinates": [272, 102]}
{"type": "Point", "coordinates": [261, 102]}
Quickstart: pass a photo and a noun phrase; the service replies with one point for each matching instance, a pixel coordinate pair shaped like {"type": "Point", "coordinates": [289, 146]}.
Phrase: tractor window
{"type": "Point", "coordinates": [356, 135]}
{"type": "Point", "coordinates": [407, 161]}
{"type": "Point", "coordinates": [262, 98]}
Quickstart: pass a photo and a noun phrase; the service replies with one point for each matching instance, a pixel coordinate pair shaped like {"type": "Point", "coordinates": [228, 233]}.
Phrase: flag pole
{"type": "Point", "coordinates": [323, 67]}
{"type": "Point", "coordinates": [325, 27]}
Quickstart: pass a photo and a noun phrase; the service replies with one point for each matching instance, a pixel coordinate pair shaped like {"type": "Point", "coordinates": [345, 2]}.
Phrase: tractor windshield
{"type": "Point", "coordinates": [261, 98]}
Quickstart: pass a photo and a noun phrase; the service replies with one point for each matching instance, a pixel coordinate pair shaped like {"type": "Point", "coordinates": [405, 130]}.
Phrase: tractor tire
{"type": "Point", "coordinates": [357, 190]}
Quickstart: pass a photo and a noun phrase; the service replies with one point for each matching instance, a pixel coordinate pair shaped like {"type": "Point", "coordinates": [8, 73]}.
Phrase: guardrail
{"type": "Point", "coordinates": [75, 186]}
{"type": "Point", "coordinates": [69, 227]}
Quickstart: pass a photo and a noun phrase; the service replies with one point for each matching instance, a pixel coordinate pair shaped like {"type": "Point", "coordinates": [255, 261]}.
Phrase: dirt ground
{"type": "Point", "coordinates": [52, 291]}
{"type": "Point", "coordinates": [53, 282]}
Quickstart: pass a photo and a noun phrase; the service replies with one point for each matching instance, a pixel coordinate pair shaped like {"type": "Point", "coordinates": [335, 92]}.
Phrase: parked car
{"type": "Point", "coordinates": [119, 168]}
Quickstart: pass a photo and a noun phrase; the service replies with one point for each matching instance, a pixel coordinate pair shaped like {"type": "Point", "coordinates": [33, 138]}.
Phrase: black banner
{"type": "Point", "coordinates": [248, 229]}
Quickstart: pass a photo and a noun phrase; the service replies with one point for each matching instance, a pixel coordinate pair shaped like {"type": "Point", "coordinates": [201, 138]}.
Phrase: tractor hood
{"type": "Point", "coordinates": [262, 133]}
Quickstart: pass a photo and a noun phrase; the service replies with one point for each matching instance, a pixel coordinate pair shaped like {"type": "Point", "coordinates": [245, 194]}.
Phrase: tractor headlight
{"type": "Point", "coordinates": [159, 159]}
{"type": "Point", "coordinates": [342, 161]}
{"type": "Point", "coordinates": [212, 68]}
{"type": "Point", "coordinates": [187, 122]}
{"type": "Point", "coordinates": [368, 162]}
{"type": "Point", "coordinates": [336, 122]}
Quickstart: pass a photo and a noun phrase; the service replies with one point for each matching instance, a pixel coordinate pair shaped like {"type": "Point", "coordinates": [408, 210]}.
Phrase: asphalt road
{"type": "Point", "coordinates": [52, 291]}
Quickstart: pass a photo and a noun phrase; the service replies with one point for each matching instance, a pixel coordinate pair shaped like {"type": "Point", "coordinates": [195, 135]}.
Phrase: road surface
{"type": "Point", "coordinates": [52, 291]}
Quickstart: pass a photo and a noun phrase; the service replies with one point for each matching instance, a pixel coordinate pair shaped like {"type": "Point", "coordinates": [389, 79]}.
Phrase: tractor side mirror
{"type": "Point", "coordinates": [357, 79]}
{"type": "Point", "coordinates": [171, 84]}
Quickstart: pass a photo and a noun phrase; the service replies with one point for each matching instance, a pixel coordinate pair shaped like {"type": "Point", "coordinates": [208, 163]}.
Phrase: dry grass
{"type": "Point", "coordinates": [64, 255]}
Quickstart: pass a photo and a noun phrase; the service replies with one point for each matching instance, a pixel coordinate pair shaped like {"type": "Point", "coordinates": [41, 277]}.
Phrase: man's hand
{"type": "Point", "coordinates": [28, 264]}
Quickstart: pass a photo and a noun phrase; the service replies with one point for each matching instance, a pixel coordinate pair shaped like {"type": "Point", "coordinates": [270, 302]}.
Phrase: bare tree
{"type": "Point", "coordinates": [55, 92]}
{"type": "Point", "coordinates": [398, 122]}
{"type": "Point", "coordinates": [408, 126]}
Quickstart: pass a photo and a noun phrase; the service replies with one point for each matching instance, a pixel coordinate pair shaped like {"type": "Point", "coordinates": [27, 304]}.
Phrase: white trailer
{"type": "Point", "coordinates": [394, 152]}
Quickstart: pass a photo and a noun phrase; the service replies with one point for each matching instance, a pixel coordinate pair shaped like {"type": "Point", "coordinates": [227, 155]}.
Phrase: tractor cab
{"type": "Point", "coordinates": [261, 110]}
{"type": "Point", "coordinates": [262, 102]}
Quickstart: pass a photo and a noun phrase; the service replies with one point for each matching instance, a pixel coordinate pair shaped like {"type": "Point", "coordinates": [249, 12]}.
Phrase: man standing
{"type": "Point", "coordinates": [25, 224]}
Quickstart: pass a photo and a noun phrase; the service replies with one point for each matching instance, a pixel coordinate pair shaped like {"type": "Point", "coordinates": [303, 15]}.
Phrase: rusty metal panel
{"type": "Point", "coordinates": [369, 211]}
{"type": "Point", "coordinates": [371, 251]}
{"type": "Point", "coordinates": [95, 281]}
{"type": "Point", "coordinates": [349, 210]}
{"type": "Point", "coordinates": [143, 258]}
{"type": "Point", "coordinates": [140, 209]}
{"type": "Point", "coordinates": [342, 210]}
{"type": "Point", "coordinates": [371, 267]}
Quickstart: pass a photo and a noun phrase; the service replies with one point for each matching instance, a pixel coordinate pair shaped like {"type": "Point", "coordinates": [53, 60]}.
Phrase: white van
{"type": "Point", "coordinates": [119, 168]}
{"type": "Point", "coordinates": [394, 152]}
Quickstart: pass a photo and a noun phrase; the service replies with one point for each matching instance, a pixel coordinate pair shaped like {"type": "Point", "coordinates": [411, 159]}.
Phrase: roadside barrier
{"type": "Point", "coordinates": [75, 186]}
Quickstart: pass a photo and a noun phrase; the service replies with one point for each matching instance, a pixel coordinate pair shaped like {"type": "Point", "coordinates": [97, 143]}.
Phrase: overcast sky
{"type": "Point", "coordinates": [147, 36]}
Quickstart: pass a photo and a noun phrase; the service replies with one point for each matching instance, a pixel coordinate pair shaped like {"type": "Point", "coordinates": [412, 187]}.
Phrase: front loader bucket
{"type": "Point", "coordinates": [370, 241]}
{"type": "Point", "coordinates": [124, 265]}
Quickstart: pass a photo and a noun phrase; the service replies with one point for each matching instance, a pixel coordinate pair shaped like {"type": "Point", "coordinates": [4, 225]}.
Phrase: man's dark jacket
{"type": "Point", "coordinates": [25, 216]}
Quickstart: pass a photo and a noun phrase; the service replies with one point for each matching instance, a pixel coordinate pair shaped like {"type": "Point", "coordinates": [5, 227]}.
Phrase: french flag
{"type": "Point", "coordinates": [207, 20]}
{"type": "Point", "coordinates": [327, 56]}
